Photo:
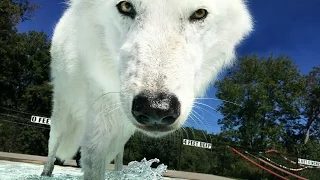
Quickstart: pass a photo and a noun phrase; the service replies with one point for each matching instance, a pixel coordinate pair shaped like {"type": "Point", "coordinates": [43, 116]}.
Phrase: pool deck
{"type": "Point", "coordinates": [170, 173]}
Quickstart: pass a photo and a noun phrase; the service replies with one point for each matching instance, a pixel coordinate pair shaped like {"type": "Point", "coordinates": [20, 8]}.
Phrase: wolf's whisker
{"type": "Point", "coordinates": [202, 121]}
{"type": "Point", "coordinates": [199, 127]}
{"type": "Point", "coordinates": [219, 100]}
{"type": "Point", "coordinates": [198, 107]}
{"type": "Point", "coordinates": [185, 131]}
{"type": "Point", "coordinates": [202, 117]}
{"type": "Point", "coordinates": [102, 95]}
{"type": "Point", "coordinates": [211, 108]}
{"type": "Point", "coordinates": [194, 135]}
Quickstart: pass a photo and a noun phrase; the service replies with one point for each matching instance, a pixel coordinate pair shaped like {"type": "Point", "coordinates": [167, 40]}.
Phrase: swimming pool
{"type": "Point", "coordinates": [27, 171]}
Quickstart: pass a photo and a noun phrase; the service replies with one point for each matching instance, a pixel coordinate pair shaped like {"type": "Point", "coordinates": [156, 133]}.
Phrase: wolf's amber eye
{"type": "Point", "coordinates": [126, 8]}
{"type": "Point", "coordinates": [199, 15]}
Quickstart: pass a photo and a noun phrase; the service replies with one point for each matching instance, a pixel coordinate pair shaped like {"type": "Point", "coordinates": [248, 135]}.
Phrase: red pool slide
{"type": "Point", "coordinates": [258, 165]}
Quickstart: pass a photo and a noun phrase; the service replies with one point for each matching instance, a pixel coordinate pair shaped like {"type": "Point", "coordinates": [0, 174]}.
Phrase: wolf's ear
{"type": "Point", "coordinates": [247, 19]}
{"type": "Point", "coordinates": [240, 16]}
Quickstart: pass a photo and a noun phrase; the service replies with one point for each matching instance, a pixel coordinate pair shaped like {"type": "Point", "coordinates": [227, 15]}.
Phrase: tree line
{"type": "Point", "coordinates": [269, 104]}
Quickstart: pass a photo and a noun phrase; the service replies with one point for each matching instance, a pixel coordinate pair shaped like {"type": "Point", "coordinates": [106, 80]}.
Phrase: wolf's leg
{"type": "Point", "coordinates": [53, 147]}
{"type": "Point", "coordinates": [118, 162]}
{"type": "Point", "coordinates": [93, 160]}
{"type": "Point", "coordinates": [78, 158]}
{"type": "Point", "coordinates": [94, 148]}
{"type": "Point", "coordinates": [58, 117]}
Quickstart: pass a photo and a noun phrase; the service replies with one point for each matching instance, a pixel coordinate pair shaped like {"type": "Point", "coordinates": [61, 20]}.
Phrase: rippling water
{"type": "Point", "coordinates": [134, 171]}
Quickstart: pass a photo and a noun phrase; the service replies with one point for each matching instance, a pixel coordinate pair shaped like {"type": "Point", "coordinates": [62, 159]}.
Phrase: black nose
{"type": "Point", "coordinates": [159, 109]}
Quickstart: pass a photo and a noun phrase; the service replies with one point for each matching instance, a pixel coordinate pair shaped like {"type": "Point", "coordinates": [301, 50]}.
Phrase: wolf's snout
{"type": "Point", "coordinates": [151, 110]}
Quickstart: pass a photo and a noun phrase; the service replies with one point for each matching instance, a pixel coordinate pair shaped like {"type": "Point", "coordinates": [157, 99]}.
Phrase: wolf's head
{"type": "Point", "coordinates": [167, 53]}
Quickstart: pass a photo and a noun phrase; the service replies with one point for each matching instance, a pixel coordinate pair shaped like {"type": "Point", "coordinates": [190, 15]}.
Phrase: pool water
{"type": "Point", "coordinates": [134, 171]}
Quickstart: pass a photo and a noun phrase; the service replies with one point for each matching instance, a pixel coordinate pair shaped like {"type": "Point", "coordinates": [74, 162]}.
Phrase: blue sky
{"type": "Point", "coordinates": [289, 27]}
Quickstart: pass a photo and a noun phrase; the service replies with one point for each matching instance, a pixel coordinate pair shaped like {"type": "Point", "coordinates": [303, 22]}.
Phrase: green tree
{"type": "Point", "coordinates": [26, 72]}
{"type": "Point", "coordinates": [24, 80]}
{"type": "Point", "coordinates": [266, 91]}
{"type": "Point", "coordinates": [25, 59]}
{"type": "Point", "coordinates": [12, 50]}
{"type": "Point", "coordinates": [312, 104]}
{"type": "Point", "coordinates": [37, 93]}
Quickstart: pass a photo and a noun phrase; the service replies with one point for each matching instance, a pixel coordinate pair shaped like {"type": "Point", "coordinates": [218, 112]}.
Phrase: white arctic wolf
{"type": "Point", "coordinates": [121, 66]}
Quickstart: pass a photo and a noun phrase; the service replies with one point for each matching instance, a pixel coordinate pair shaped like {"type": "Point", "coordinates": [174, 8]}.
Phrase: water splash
{"type": "Point", "coordinates": [134, 171]}
{"type": "Point", "coordinates": [140, 171]}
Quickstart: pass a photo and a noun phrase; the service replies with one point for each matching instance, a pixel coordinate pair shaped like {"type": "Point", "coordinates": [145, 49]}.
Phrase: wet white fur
{"type": "Point", "coordinates": [96, 51]}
